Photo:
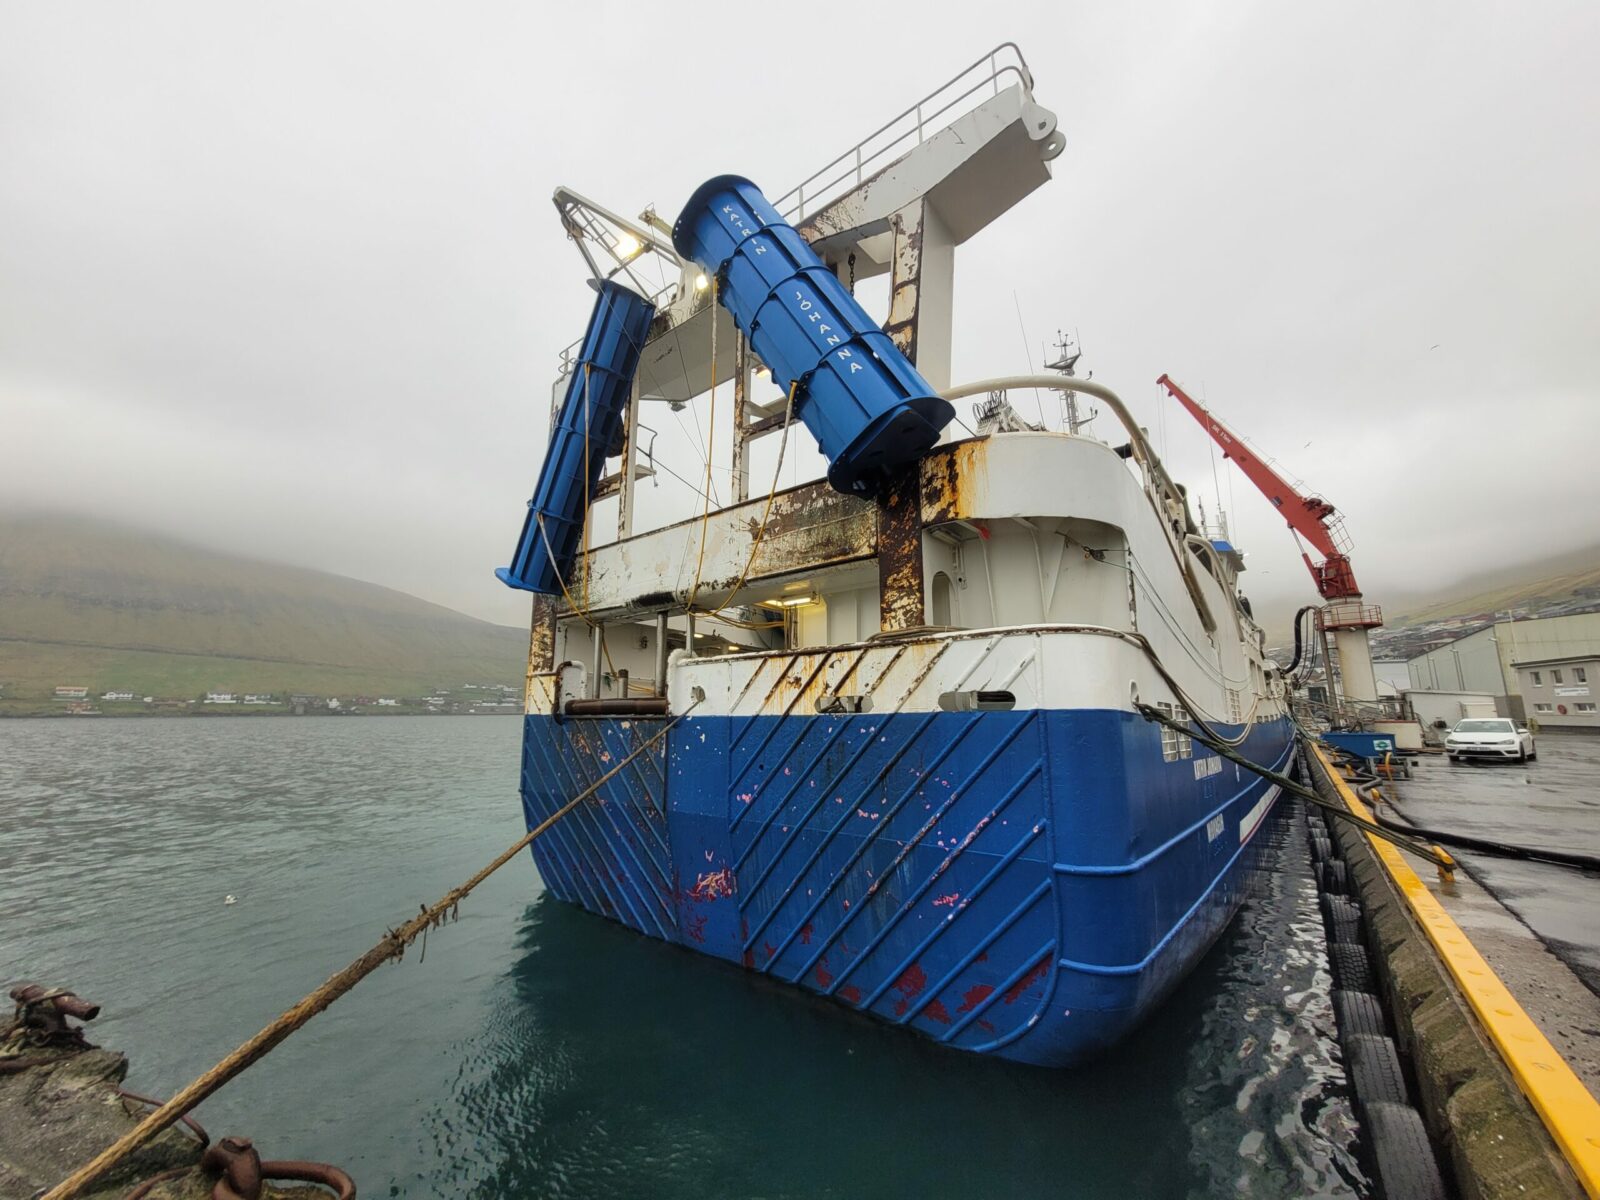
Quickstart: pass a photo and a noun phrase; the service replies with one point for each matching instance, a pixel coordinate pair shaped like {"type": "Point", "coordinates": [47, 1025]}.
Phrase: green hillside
{"type": "Point", "coordinates": [1566, 576]}
{"type": "Point", "coordinates": [89, 603]}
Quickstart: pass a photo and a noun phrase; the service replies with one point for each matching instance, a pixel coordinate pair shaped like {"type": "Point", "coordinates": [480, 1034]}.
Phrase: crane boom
{"type": "Point", "coordinates": [1312, 517]}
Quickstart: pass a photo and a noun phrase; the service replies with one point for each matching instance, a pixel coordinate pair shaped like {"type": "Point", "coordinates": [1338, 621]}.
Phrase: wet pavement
{"type": "Point", "coordinates": [1537, 924]}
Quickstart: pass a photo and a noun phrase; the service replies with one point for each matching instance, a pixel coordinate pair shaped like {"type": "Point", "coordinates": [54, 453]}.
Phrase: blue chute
{"type": "Point", "coordinates": [863, 401]}
{"type": "Point", "coordinates": [588, 423]}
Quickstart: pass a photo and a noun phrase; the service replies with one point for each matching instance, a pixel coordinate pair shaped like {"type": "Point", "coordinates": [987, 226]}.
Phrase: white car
{"type": "Point", "coordinates": [1489, 737]}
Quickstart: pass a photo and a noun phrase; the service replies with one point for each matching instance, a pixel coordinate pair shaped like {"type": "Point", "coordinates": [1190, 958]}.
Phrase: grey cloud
{"type": "Point", "coordinates": [287, 279]}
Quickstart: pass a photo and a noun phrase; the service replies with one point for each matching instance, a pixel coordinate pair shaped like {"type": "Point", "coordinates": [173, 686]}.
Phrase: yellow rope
{"type": "Point", "coordinates": [766, 515]}
{"type": "Point", "coordinates": [392, 945]}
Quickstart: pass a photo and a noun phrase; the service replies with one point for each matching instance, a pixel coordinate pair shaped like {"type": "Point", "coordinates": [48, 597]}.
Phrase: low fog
{"type": "Point", "coordinates": [286, 279]}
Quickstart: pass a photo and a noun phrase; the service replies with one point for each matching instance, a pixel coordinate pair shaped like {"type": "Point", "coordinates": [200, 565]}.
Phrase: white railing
{"type": "Point", "coordinates": [910, 128]}
{"type": "Point", "coordinates": [996, 70]}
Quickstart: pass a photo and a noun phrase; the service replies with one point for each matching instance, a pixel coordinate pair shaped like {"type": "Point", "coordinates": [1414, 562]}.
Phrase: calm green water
{"type": "Point", "coordinates": [538, 1051]}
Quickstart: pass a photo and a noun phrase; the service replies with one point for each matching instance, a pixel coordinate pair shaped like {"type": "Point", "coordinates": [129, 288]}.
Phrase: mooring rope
{"type": "Point", "coordinates": [1434, 854]}
{"type": "Point", "coordinates": [392, 945]}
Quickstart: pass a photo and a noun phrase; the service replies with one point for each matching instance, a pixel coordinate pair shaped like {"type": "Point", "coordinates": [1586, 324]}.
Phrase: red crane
{"type": "Point", "coordinates": [1310, 517]}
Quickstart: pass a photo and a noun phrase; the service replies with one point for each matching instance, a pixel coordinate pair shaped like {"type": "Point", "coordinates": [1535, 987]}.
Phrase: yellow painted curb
{"type": "Point", "coordinates": [1568, 1110]}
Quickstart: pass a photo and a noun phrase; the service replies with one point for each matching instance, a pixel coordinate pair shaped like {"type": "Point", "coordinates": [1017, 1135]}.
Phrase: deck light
{"type": "Point", "coordinates": [790, 601]}
{"type": "Point", "coordinates": [701, 283]}
{"type": "Point", "coordinates": [627, 246]}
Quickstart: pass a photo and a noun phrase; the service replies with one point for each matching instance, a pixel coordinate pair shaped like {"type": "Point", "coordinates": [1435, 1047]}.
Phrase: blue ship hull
{"type": "Point", "coordinates": [1024, 883]}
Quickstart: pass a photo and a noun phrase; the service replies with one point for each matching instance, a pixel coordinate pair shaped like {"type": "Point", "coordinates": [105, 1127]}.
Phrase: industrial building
{"type": "Point", "coordinates": [1488, 661]}
{"type": "Point", "coordinates": [1559, 693]}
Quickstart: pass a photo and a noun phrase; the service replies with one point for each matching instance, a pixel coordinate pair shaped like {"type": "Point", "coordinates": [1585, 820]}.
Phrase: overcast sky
{"type": "Point", "coordinates": [286, 278]}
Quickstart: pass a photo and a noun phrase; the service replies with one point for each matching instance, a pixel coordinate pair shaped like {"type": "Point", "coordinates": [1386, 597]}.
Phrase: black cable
{"type": "Point", "coordinates": [1299, 620]}
{"type": "Point", "coordinates": [1432, 853]}
{"type": "Point", "coordinates": [1558, 858]}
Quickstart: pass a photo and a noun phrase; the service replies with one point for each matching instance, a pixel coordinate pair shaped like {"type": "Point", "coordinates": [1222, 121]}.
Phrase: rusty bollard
{"type": "Point", "coordinates": [40, 1022]}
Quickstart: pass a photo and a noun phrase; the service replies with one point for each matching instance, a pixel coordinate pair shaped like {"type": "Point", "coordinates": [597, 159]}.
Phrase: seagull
{"type": "Point", "coordinates": [229, 899]}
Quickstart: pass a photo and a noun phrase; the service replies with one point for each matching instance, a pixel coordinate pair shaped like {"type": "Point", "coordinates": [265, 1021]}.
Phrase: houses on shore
{"type": "Point", "coordinates": [464, 699]}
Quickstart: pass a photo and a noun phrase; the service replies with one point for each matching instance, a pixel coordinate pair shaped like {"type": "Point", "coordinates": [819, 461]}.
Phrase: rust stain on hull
{"type": "Point", "coordinates": [951, 478]}
{"type": "Point", "coordinates": [900, 551]}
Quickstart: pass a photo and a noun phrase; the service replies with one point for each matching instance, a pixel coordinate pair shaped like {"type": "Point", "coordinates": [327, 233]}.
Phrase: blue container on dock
{"type": "Point", "coordinates": [863, 401]}
{"type": "Point", "coordinates": [587, 425]}
{"type": "Point", "coordinates": [1362, 745]}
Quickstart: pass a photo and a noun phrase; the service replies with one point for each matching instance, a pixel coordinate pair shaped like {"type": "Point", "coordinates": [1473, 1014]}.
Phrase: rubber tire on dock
{"type": "Point", "coordinates": [1345, 933]}
{"type": "Point", "coordinates": [1374, 1066]}
{"type": "Point", "coordinates": [1358, 1013]}
{"type": "Point", "coordinates": [1340, 908]}
{"type": "Point", "coordinates": [1351, 968]}
{"type": "Point", "coordinates": [1321, 847]}
{"type": "Point", "coordinates": [1402, 1156]}
{"type": "Point", "coordinates": [1334, 877]}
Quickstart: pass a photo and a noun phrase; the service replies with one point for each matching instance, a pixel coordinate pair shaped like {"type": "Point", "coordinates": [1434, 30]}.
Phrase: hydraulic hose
{"type": "Point", "coordinates": [1364, 781]}
{"type": "Point", "coordinates": [1299, 644]}
{"type": "Point", "coordinates": [1433, 854]}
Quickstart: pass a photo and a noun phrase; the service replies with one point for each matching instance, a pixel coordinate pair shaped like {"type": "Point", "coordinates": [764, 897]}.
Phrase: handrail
{"type": "Point", "coordinates": [1144, 454]}
{"type": "Point", "coordinates": [1155, 472]}
{"type": "Point", "coordinates": [793, 204]}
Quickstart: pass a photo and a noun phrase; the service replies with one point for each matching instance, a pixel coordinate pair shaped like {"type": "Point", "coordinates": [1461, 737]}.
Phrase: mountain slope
{"type": "Point", "coordinates": [88, 602]}
{"type": "Point", "coordinates": [1560, 577]}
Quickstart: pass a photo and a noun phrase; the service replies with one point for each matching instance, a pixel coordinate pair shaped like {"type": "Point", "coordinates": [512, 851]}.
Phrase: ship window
{"type": "Point", "coordinates": [941, 600]}
{"type": "Point", "coordinates": [1206, 560]}
{"type": "Point", "coordinates": [1175, 745]}
{"type": "Point", "coordinates": [977, 701]}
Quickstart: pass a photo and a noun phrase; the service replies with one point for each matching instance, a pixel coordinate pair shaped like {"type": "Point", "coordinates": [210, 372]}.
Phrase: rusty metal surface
{"type": "Point", "coordinates": [906, 277]}
{"type": "Point", "coordinates": [900, 551]}
{"type": "Point", "coordinates": [811, 526]}
{"type": "Point", "coordinates": [300, 1171]}
{"type": "Point", "coordinates": [618, 706]}
{"type": "Point", "coordinates": [241, 1171]}
{"type": "Point", "coordinates": [951, 477]}
{"type": "Point", "coordinates": [542, 693]}
{"type": "Point", "coordinates": [40, 1020]}
{"type": "Point", "coordinates": [741, 433]}
{"type": "Point", "coordinates": [542, 639]}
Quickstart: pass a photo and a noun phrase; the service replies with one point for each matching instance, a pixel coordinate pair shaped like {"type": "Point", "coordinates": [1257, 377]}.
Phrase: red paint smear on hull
{"type": "Point", "coordinates": [975, 996]}
{"type": "Point", "coordinates": [1014, 992]}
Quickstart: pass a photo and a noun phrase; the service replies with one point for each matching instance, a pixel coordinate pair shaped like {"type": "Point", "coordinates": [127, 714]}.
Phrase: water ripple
{"type": "Point", "coordinates": [538, 1051]}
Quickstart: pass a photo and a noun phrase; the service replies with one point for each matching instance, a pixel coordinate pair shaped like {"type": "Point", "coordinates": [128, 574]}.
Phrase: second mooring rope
{"type": "Point", "coordinates": [392, 945]}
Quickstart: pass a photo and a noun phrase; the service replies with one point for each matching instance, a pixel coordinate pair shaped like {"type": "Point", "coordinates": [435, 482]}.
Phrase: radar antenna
{"type": "Point", "coordinates": [1067, 352]}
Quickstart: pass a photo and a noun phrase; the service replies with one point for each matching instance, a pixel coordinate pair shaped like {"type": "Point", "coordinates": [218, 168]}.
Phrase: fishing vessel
{"type": "Point", "coordinates": [903, 765]}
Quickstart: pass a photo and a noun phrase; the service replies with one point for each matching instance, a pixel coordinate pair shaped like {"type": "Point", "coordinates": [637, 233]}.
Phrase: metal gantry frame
{"type": "Point", "coordinates": [853, 167]}
{"type": "Point", "coordinates": [899, 230]}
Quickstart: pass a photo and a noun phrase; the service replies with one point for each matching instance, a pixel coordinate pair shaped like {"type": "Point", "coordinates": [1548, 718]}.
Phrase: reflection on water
{"type": "Point", "coordinates": [538, 1051]}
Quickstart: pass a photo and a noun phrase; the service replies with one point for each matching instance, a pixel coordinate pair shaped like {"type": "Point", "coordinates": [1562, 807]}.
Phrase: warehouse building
{"type": "Point", "coordinates": [1489, 661]}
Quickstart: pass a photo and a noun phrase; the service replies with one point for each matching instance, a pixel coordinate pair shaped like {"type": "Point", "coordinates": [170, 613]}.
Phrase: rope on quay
{"type": "Point", "coordinates": [1434, 854]}
{"type": "Point", "coordinates": [392, 946]}
{"type": "Point", "coordinates": [1366, 785]}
